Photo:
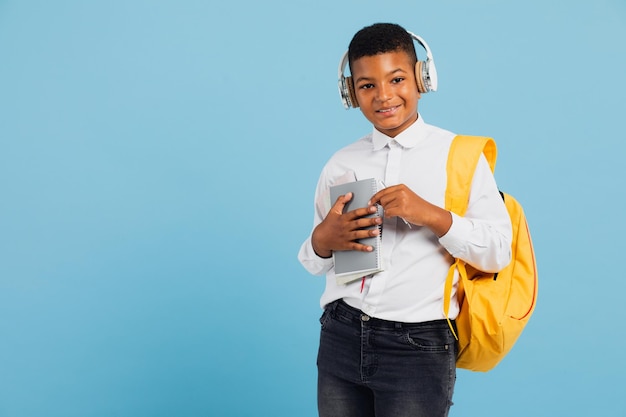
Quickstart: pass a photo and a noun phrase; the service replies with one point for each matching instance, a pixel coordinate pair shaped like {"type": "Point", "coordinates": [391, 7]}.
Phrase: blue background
{"type": "Point", "coordinates": [157, 167]}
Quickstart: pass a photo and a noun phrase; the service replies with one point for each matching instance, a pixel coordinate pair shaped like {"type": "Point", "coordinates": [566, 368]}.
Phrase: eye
{"type": "Point", "coordinates": [397, 80]}
{"type": "Point", "coordinates": [366, 86]}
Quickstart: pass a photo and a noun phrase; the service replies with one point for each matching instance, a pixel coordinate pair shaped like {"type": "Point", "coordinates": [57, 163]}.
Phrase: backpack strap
{"type": "Point", "coordinates": [463, 158]}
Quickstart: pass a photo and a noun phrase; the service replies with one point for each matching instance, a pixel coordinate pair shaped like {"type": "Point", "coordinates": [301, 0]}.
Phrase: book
{"type": "Point", "coordinates": [351, 265]}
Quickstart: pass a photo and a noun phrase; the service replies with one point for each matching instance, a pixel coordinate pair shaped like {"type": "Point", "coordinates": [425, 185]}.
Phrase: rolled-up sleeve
{"type": "Point", "coordinates": [307, 256]}
{"type": "Point", "coordinates": [311, 261]}
{"type": "Point", "coordinates": [482, 237]}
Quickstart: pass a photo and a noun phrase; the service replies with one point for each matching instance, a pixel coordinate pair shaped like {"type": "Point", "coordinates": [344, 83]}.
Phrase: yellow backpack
{"type": "Point", "coordinates": [494, 307]}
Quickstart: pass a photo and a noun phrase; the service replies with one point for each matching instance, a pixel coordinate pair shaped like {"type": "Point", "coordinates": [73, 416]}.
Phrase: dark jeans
{"type": "Point", "coordinates": [370, 367]}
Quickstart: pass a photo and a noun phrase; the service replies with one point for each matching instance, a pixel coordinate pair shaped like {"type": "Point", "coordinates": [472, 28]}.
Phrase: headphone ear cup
{"type": "Point", "coordinates": [419, 77]}
{"type": "Point", "coordinates": [351, 93]}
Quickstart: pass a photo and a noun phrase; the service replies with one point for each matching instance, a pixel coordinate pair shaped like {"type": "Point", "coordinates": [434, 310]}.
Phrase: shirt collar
{"type": "Point", "coordinates": [407, 139]}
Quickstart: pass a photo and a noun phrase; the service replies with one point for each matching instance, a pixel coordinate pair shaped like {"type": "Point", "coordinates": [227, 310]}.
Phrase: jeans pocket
{"type": "Point", "coordinates": [325, 318]}
{"type": "Point", "coordinates": [429, 340]}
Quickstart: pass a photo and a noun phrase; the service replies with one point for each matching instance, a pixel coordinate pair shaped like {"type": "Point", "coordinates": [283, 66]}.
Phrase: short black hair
{"type": "Point", "coordinates": [380, 38]}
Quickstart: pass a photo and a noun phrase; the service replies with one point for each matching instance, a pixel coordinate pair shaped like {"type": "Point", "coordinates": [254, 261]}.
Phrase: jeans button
{"type": "Point", "coordinates": [365, 317]}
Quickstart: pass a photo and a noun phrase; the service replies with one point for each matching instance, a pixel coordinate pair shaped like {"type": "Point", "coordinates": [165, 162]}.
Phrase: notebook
{"type": "Point", "coordinates": [352, 265]}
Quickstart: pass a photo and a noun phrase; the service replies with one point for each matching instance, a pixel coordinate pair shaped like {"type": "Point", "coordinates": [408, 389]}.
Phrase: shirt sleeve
{"type": "Point", "coordinates": [482, 238]}
{"type": "Point", "coordinates": [307, 256]}
{"type": "Point", "coordinates": [311, 262]}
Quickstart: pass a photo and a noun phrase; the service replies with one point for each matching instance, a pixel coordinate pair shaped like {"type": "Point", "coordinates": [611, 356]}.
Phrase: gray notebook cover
{"type": "Point", "coordinates": [351, 265]}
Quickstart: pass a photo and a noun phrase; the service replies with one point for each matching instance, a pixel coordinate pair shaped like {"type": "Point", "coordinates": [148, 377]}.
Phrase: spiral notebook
{"type": "Point", "coordinates": [352, 265]}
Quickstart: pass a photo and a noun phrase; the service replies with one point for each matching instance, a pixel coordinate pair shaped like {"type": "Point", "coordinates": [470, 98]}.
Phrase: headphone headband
{"type": "Point", "coordinates": [425, 73]}
{"type": "Point", "coordinates": [429, 55]}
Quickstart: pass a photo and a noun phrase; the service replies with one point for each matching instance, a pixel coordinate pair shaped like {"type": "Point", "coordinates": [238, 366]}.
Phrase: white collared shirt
{"type": "Point", "coordinates": [416, 262]}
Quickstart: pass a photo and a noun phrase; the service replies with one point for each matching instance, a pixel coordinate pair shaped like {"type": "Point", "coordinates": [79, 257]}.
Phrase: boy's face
{"type": "Point", "coordinates": [386, 90]}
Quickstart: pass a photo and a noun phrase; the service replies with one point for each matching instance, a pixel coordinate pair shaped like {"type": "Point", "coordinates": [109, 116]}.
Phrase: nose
{"type": "Point", "coordinates": [384, 92]}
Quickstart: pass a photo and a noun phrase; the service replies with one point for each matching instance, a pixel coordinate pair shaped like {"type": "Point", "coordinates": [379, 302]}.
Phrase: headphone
{"type": "Point", "coordinates": [425, 74]}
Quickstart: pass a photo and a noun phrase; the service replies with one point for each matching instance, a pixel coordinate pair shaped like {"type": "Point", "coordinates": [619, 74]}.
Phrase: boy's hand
{"type": "Point", "coordinates": [400, 201]}
{"type": "Point", "coordinates": [340, 231]}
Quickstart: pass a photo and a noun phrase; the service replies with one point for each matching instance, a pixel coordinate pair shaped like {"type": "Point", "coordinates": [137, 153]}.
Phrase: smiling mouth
{"type": "Point", "coordinates": [387, 110]}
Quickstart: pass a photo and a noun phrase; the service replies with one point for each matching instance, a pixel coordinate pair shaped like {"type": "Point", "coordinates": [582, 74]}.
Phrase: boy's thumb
{"type": "Point", "coordinates": [341, 202]}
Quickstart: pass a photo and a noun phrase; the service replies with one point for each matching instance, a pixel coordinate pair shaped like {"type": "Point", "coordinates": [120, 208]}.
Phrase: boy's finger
{"type": "Point", "coordinates": [340, 203]}
{"type": "Point", "coordinates": [376, 197]}
{"type": "Point", "coordinates": [361, 212]}
{"type": "Point", "coordinates": [367, 222]}
{"type": "Point", "coordinates": [361, 248]}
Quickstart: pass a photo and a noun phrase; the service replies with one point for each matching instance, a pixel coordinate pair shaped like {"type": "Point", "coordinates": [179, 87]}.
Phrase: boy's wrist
{"type": "Point", "coordinates": [322, 253]}
{"type": "Point", "coordinates": [441, 223]}
{"type": "Point", "coordinates": [325, 254]}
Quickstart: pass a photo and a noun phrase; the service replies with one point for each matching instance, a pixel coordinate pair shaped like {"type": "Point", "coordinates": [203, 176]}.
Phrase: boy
{"type": "Point", "coordinates": [385, 346]}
